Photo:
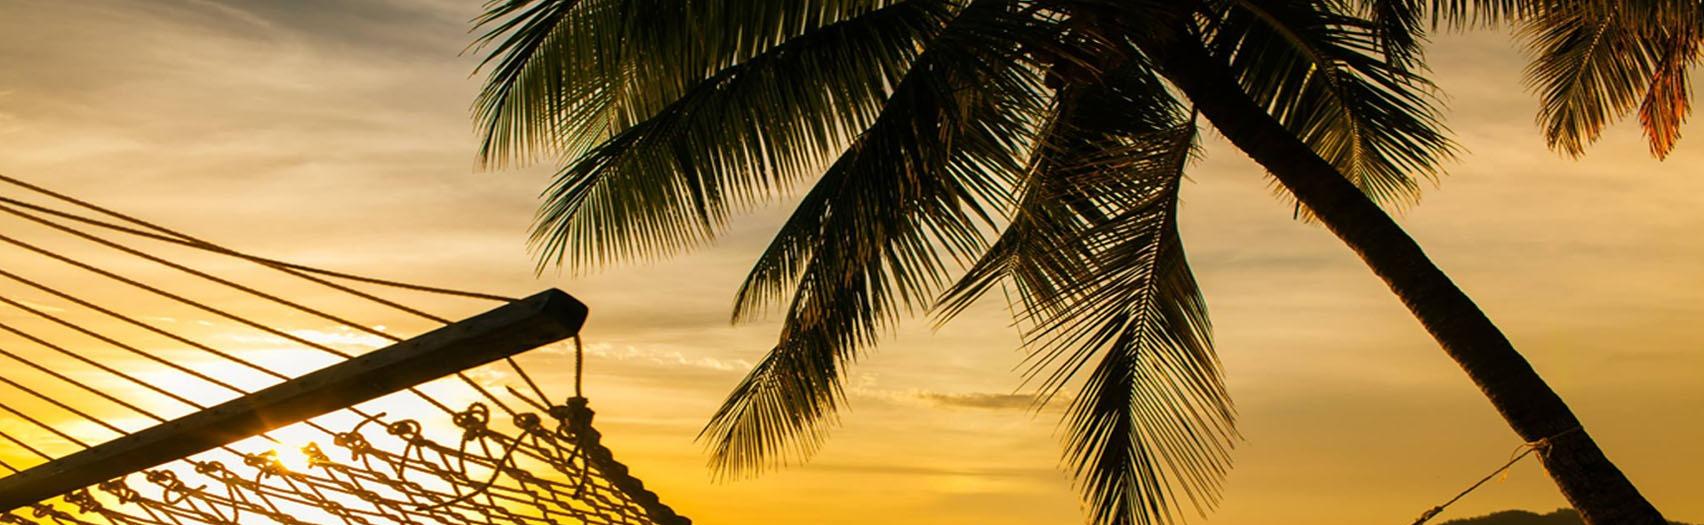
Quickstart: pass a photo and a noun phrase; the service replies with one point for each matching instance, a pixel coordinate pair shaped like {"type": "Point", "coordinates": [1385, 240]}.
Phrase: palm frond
{"type": "Point", "coordinates": [1400, 27]}
{"type": "Point", "coordinates": [1321, 74]}
{"type": "Point", "coordinates": [1592, 60]}
{"type": "Point", "coordinates": [1481, 13]}
{"type": "Point", "coordinates": [1087, 118]}
{"type": "Point", "coordinates": [1150, 431]}
{"type": "Point", "coordinates": [547, 86]}
{"type": "Point", "coordinates": [879, 230]}
{"type": "Point", "coordinates": [744, 134]}
{"type": "Point", "coordinates": [1668, 100]}
{"type": "Point", "coordinates": [1104, 287]}
{"type": "Point", "coordinates": [565, 74]}
{"type": "Point", "coordinates": [1588, 70]}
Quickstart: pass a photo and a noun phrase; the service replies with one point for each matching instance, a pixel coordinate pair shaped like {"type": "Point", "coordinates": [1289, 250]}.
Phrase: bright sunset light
{"type": "Point", "coordinates": [907, 262]}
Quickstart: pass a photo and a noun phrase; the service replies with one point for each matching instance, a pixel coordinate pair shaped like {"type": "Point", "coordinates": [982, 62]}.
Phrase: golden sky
{"type": "Point", "coordinates": [337, 134]}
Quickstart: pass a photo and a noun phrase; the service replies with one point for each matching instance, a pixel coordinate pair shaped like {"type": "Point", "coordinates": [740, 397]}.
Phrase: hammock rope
{"type": "Point", "coordinates": [524, 460]}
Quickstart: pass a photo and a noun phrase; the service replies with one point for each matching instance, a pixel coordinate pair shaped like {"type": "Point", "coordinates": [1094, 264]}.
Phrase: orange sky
{"type": "Point", "coordinates": [336, 134]}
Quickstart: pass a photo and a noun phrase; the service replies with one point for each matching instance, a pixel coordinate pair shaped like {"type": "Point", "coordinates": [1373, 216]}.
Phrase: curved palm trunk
{"type": "Point", "coordinates": [1588, 479]}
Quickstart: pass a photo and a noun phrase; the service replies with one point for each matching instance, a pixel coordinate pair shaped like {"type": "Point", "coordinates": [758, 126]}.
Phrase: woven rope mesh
{"type": "Point", "coordinates": [110, 325]}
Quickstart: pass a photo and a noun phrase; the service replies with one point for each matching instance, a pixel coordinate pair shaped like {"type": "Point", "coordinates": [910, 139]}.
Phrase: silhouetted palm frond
{"type": "Point", "coordinates": [1593, 61]}
{"type": "Point", "coordinates": [748, 132]}
{"type": "Point", "coordinates": [1593, 66]}
{"type": "Point", "coordinates": [875, 235]}
{"type": "Point", "coordinates": [566, 74]}
{"type": "Point", "coordinates": [1105, 289]}
{"type": "Point", "coordinates": [1321, 73]}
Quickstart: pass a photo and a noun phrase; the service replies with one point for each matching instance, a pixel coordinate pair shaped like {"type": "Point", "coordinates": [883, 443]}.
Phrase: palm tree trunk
{"type": "Point", "coordinates": [1588, 479]}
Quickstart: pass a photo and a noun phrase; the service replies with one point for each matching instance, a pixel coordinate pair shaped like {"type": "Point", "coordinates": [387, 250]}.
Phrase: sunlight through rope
{"type": "Point", "coordinates": [541, 466]}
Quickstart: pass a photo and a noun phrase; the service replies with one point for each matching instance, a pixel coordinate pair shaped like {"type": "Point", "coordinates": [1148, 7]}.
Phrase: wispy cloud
{"type": "Point", "coordinates": [984, 400]}
{"type": "Point", "coordinates": [666, 358]}
{"type": "Point", "coordinates": [39, 306]}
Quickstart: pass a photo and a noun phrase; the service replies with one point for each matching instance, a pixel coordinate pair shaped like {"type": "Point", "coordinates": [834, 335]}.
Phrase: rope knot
{"type": "Point", "coordinates": [84, 501]}
{"type": "Point", "coordinates": [119, 489]}
{"type": "Point", "coordinates": [407, 429]}
{"type": "Point", "coordinates": [355, 442]}
{"type": "Point", "coordinates": [266, 462]}
{"type": "Point", "coordinates": [162, 477]}
{"type": "Point", "coordinates": [316, 457]}
{"type": "Point", "coordinates": [472, 421]}
{"type": "Point", "coordinates": [45, 511]}
{"type": "Point", "coordinates": [576, 412]}
{"type": "Point", "coordinates": [476, 416]}
{"type": "Point", "coordinates": [528, 421]}
{"type": "Point", "coordinates": [209, 467]}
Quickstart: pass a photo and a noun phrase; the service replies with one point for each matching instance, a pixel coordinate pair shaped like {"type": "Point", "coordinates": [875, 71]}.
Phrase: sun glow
{"type": "Point", "coordinates": [294, 459]}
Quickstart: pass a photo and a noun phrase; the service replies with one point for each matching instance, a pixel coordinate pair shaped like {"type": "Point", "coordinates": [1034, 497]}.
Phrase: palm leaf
{"type": "Point", "coordinates": [546, 89]}
{"type": "Point", "coordinates": [1668, 100]}
{"type": "Point", "coordinates": [1322, 75]}
{"type": "Point", "coordinates": [1086, 119]}
{"type": "Point", "coordinates": [565, 74]}
{"type": "Point", "coordinates": [1593, 60]}
{"type": "Point", "coordinates": [1588, 69]}
{"type": "Point", "coordinates": [746, 133]}
{"type": "Point", "coordinates": [1399, 26]}
{"type": "Point", "coordinates": [877, 233]}
{"type": "Point", "coordinates": [1095, 257]}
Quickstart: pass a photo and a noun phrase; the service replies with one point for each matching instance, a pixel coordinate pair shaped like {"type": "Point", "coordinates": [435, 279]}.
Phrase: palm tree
{"type": "Point", "coordinates": [1066, 126]}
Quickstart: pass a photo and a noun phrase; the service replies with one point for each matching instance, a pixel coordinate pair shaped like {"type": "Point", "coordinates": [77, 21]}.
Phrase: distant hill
{"type": "Point", "coordinates": [1521, 517]}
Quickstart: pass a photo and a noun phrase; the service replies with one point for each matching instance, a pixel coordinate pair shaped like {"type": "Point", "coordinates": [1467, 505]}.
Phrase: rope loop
{"type": "Point", "coordinates": [119, 489]}
{"type": "Point", "coordinates": [46, 511]}
{"type": "Point", "coordinates": [474, 421]}
{"type": "Point", "coordinates": [210, 468]}
{"type": "Point", "coordinates": [164, 478]}
{"type": "Point", "coordinates": [528, 422]}
{"type": "Point", "coordinates": [407, 429]}
{"type": "Point", "coordinates": [354, 442]}
{"type": "Point", "coordinates": [267, 463]}
{"type": "Point", "coordinates": [316, 456]}
{"type": "Point", "coordinates": [84, 501]}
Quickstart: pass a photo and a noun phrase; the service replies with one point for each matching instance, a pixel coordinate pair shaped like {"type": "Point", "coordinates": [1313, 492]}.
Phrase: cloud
{"type": "Point", "coordinates": [667, 358]}
{"type": "Point", "coordinates": [934, 470]}
{"type": "Point", "coordinates": [985, 400]}
{"type": "Point", "coordinates": [42, 307]}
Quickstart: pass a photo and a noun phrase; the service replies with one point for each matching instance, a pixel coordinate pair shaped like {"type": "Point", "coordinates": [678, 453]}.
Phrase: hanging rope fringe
{"type": "Point", "coordinates": [1520, 453]}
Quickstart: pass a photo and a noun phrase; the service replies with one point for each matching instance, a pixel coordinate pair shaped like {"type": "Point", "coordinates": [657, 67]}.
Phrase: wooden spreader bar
{"type": "Point", "coordinates": [545, 318]}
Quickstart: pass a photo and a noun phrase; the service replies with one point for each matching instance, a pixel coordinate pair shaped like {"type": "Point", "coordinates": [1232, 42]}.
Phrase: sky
{"type": "Point", "coordinates": [337, 134]}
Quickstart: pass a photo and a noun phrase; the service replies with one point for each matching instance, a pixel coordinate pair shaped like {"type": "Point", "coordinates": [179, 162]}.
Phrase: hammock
{"type": "Point", "coordinates": [186, 430]}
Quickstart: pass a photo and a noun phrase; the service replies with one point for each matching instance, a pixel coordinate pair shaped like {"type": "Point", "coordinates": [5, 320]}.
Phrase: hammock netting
{"type": "Point", "coordinates": [86, 356]}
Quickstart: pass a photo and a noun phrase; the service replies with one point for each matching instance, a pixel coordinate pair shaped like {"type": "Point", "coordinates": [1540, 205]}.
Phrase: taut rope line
{"type": "Point", "coordinates": [1520, 453]}
{"type": "Point", "coordinates": [187, 240]}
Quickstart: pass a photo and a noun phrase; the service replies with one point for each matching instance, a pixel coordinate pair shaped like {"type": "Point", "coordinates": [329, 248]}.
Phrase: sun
{"type": "Point", "coordinates": [293, 458]}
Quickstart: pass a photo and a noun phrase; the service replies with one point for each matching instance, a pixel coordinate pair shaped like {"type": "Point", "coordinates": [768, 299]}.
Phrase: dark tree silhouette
{"type": "Point", "coordinates": [1066, 126]}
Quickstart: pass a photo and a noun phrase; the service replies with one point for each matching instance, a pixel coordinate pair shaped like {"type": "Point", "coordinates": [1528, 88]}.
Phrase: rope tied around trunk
{"type": "Point", "coordinates": [1521, 452]}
